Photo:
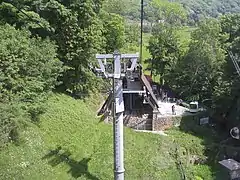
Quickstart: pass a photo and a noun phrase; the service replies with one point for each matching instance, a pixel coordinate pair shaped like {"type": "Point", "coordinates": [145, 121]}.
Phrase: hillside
{"type": "Point", "coordinates": [212, 8]}
{"type": "Point", "coordinates": [50, 46]}
{"type": "Point", "coordinates": [70, 143]}
{"type": "Point", "coordinates": [195, 8]}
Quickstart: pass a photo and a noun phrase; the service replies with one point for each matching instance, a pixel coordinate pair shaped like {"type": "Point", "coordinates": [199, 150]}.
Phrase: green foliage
{"type": "Point", "coordinates": [116, 6]}
{"type": "Point", "coordinates": [126, 8]}
{"type": "Point", "coordinates": [199, 73]}
{"type": "Point", "coordinates": [78, 35]}
{"type": "Point", "coordinates": [132, 33]}
{"type": "Point", "coordinates": [28, 72]}
{"type": "Point", "coordinates": [172, 13]}
{"type": "Point", "coordinates": [184, 34]}
{"type": "Point", "coordinates": [205, 71]}
{"type": "Point", "coordinates": [29, 67]}
{"type": "Point", "coordinates": [69, 132]}
{"type": "Point", "coordinates": [19, 14]}
{"type": "Point", "coordinates": [113, 31]}
{"type": "Point", "coordinates": [73, 25]}
{"type": "Point", "coordinates": [131, 41]}
{"type": "Point", "coordinates": [11, 119]}
{"type": "Point", "coordinates": [231, 25]}
{"type": "Point", "coordinates": [226, 95]}
{"type": "Point", "coordinates": [198, 9]}
{"type": "Point", "coordinates": [164, 48]}
{"type": "Point", "coordinates": [195, 10]}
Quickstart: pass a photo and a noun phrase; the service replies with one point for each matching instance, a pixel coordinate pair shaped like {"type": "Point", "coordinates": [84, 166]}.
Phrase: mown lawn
{"type": "Point", "coordinates": [71, 143]}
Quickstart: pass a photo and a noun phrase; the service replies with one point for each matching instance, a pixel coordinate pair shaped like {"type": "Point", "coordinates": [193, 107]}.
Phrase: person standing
{"type": "Point", "coordinates": [173, 110]}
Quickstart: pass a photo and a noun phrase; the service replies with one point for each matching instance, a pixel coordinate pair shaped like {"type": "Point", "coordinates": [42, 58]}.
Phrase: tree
{"type": "Point", "coordinates": [231, 25]}
{"type": "Point", "coordinates": [226, 92]}
{"type": "Point", "coordinates": [169, 12]}
{"type": "Point", "coordinates": [199, 73]}
{"type": "Point", "coordinates": [28, 72]}
{"type": "Point", "coordinates": [199, 9]}
{"type": "Point", "coordinates": [227, 98]}
{"type": "Point", "coordinates": [113, 25]}
{"type": "Point", "coordinates": [164, 48]}
{"type": "Point", "coordinates": [73, 25]}
{"type": "Point", "coordinates": [119, 7]}
{"type": "Point", "coordinates": [132, 33]}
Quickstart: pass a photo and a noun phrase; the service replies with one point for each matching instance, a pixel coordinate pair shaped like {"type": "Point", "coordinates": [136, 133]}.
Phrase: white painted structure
{"type": "Point", "coordinates": [166, 109]}
{"type": "Point", "coordinates": [193, 107]}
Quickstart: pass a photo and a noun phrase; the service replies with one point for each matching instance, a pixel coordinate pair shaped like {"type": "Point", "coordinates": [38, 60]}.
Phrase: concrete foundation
{"type": "Point", "coordinates": [160, 123]}
{"type": "Point", "coordinates": [135, 120]}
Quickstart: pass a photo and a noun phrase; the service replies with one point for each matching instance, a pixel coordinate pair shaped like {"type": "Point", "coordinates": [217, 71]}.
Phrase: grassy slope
{"type": "Point", "coordinates": [71, 126]}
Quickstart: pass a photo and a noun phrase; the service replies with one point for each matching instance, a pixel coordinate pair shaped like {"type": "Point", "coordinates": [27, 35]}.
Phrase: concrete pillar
{"type": "Point", "coordinates": [155, 119]}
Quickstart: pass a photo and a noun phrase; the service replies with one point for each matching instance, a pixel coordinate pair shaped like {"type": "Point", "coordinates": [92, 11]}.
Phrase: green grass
{"type": "Point", "coordinates": [184, 35]}
{"type": "Point", "coordinates": [71, 143]}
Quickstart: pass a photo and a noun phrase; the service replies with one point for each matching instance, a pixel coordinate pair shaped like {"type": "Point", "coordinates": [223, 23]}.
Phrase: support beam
{"type": "Point", "coordinates": [141, 38]}
{"type": "Point", "coordinates": [117, 104]}
{"type": "Point", "coordinates": [109, 56]}
{"type": "Point", "coordinates": [126, 91]}
{"type": "Point", "coordinates": [131, 101]}
{"type": "Point", "coordinates": [149, 102]}
{"type": "Point", "coordinates": [118, 120]}
{"type": "Point", "coordinates": [118, 131]}
{"type": "Point", "coordinates": [134, 63]}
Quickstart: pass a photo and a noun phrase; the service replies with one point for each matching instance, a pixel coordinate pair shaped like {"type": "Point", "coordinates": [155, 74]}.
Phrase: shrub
{"type": "Point", "coordinates": [28, 72]}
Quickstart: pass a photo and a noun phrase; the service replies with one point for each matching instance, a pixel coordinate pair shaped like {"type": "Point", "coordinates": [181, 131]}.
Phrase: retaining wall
{"type": "Point", "coordinates": [163, 123]}
{"type": "Point", "coordinates": [135, 120]}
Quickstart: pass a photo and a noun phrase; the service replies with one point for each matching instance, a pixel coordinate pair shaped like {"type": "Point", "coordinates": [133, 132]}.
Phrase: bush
{"type": "Point", "coordinates": [28, 72]}
{"type": "Point", "coordinates": [10, 117]}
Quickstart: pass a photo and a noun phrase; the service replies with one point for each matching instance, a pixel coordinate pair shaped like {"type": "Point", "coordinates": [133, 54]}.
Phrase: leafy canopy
{"type": "Point", "coordinates": [28, 72]}
{"type": "Point", "coordinates": [164, 48]}
{"type": "Point", "coordinates": [73, 25]}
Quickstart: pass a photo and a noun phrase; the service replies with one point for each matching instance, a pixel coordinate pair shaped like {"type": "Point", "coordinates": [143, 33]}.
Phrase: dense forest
{"type": "Point", "coordinates": [49, 46]}
{"type": "Point", "coordinates": [212, 8]}
{"type": "Point", "coordinates": [60, 38]}
{"type": "Point", "coordinates": [202, 67]}
{"type": "Point", "coordinates": [195, 9]}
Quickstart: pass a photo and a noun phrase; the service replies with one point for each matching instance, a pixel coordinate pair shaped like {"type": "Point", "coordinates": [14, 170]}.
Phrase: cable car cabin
{"type": "Point", "coordinates": [193, 107]}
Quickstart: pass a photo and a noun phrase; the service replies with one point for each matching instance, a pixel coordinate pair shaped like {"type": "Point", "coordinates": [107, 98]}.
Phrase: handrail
{"type": "Point", "coordinates": [234, 62]}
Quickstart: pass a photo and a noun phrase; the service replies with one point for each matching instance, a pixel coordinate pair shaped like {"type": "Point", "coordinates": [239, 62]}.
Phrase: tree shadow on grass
{"type": "Point", "coordinates": [214, 141]}
{"type": "Point", "coordinates": [77, 168]}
